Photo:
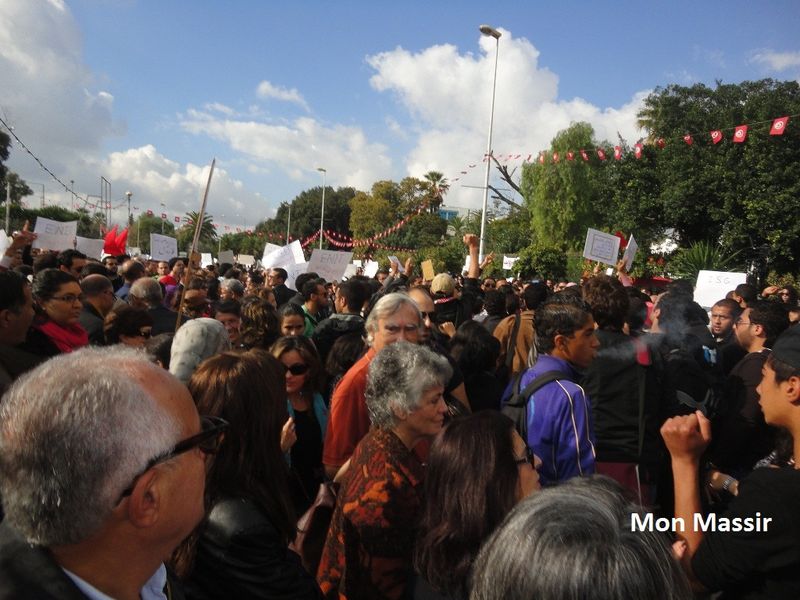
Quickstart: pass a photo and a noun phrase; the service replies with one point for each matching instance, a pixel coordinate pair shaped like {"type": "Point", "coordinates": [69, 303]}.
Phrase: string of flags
{"type": "Point", "coordinates": [336, 239]}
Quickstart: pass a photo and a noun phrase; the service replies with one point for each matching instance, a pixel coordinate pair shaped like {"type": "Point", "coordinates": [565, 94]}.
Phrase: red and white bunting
{"type": "Point", "coordinates": [716, 136]}
{"type": "Point", "coordinates": [617, 152]}
{"type": "Point", "coordinates": [779, 126]}
{"type": "Point", "coordinates": [740, 134]}
{"type": "Point", "coordinates": [688, 139]}
{"type": "Point", "coordinates": [637, 150]}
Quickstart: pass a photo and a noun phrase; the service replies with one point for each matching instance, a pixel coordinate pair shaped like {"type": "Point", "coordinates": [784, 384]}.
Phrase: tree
{"type": "Point", "coordinates": [143, 226]}
{"type": "Point", "coordinates": [438, 186]}
{"type": "Point", "coordinates": [369, 215]}
{"type": "Point", "coordinates": [19, 189]}
{"type": "Point", "coordinates": [208, 234]}
{"type": "Point", "coordinates": [562, 197]}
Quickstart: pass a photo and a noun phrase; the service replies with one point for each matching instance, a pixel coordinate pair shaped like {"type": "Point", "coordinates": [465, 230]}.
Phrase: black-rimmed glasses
{"type": "Point", "coordinates": [528, 458]}
{"type": "Point", "coordinates": [208, 441]}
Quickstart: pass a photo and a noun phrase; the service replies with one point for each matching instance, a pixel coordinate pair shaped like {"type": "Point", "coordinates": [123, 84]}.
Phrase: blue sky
{"type": "Point", "coordinates": [145, 93]}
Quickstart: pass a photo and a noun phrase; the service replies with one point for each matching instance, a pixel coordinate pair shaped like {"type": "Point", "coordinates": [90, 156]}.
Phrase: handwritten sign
{"type": "Point", "coordinates": [268, 249]}
{"type": "Point", "coordinates": [630, 253]}
{"type": "Point", "coordinates": [329, 264]}
{"type": "Point", "coordinates": [55, 235]}
{"type": "Point", "coordinates": [350, 271]}
{"type": "Point", "coordinates": [292, 271]}
{"type": "Point", "coordinates": [371, 268]}
{"type": "Point", "coordinates": [284, 256]}
{"type": "Point", "coordinates": [357, 262]}
{"type": "Point", "coordinates": [712, 286]}
{"type": "Point", "coordinates": [394, 260]}
{"type": "Point", "coordinates": [163, 247]}
{"type": "Point", "coordinates": [91, 248]}
{"type": "Point", "coordinates": [428, 272]}
{"type": "Point", "coordinates": [509, 261]}
{"type": "Point", "coordinates": [602, 247]}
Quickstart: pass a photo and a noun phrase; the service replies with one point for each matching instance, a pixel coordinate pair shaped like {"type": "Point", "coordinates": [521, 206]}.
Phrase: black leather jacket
{"type": "Point", "coordinates": [240, 554]}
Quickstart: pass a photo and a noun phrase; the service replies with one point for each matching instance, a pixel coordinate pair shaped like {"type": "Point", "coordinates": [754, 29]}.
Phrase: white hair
{"type": "Point", "coordinates": [74, 432]}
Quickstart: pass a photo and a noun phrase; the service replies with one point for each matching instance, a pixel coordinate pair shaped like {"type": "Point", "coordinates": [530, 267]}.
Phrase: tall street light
{"type": "Point", "coordinates": [322, 215]}
{"type": "Point", "coordinates": [491, 31]}
{"type": "Point", "coordinates": [288, 223]}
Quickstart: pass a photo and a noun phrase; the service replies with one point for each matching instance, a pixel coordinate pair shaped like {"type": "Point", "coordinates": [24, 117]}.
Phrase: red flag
{"type": "Point", "coordinates": [584, 155]}
{"type": "Point", "coordinates": [617, 152]}
{"type": "Point", "coordinates": [109, 246]}
{"type": "Point", "coordinates": [149, 213]}
{"type": "Point", "coordinates": [778, 126]}
{"type": "Point", "coordinates": [661, 143]}
{"type": "Point", "coordinates": [716, 136]}
{"type": "Point", "coordinates": [163, 215]}
{"type": "Point", "coordinates": [541, 158]}
{"type": "Point", "coordinates": [740, 134]}
{"type": "Point", "coordinates": [177, 219]}
{"type": "Point", "coordinates": [555, 157]}
{"type": "Point", "coordinates": [688, 139]}
{"type": "Point", "coordinates": [120, 241]}
{"type": "Point", "coordinates": [637, 150]}
{"type": "Point", "coordinates": [570, 155]}
{"type": "Point", "coordinates": [529, 158]}
{"type": "Point", "coordinates": [601, 155]}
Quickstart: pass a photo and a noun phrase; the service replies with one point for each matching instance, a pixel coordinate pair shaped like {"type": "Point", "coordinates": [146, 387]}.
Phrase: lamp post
{"type": "Point", "coordinates": [288, 223]}
{"type": "Point", "coordinates": [491, 31]}
{"type": "Point", "coordinates": [322, 214]}
{"type": "Point", "coordinates": [163, 212]}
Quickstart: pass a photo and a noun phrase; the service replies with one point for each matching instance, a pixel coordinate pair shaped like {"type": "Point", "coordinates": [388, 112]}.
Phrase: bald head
{"type": "Point", "coordinates": [94, 285]}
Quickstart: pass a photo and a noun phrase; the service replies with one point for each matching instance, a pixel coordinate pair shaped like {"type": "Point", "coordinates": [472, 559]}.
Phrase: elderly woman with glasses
{"type": "Point", "coordinates": [58, 302]}
{"type": "Point", "coordinates": [128, 325]}
{"type": "Point", "coordinates": [368, 552]}
{"type": "Point", "coordinates": [241, 551]}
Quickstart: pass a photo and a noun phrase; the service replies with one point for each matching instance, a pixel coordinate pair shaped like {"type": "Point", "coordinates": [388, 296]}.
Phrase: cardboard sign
{"type": "Point", "coordinates": [467, 262]}
{"type": "Point", "coordinates": [284, 256]}
{"type": "Point", "coordinates": [91, 248]}
{"type": "Point", "coordinates": [350, 271]}
{"type": "Point", "coordinates": [357, 262]}
{"type": "Point", "coordinates": [601, 247]}
{"type": "Point", "coordinates": [395, 260]}
{"type": "Point", "coordinates": [329, 264]}
{"type": "Point", "coordinates": [163, 247]}
{"type": "Point", "coordinates": [712, 286]}
{"type": "Point", "coordinates": [226, 256]}
{"type": "Point", "coordinates": [246, 259]}
{"type": "Point", "coordinates": [371, 268]}
{"type": "Point", "coordinates": [508, 262]}
{"type": "Point", "coordinates": [630, 253]}
{"type": "Point", "coordinates": [5, 241]}
{"type": "Point", "coordinates": [55, 235]}
{"type": "Point", "coordinates": [428, 273]}
{"type": "Point", "coordinates": [292, 271]}
{"type": "Point", "coordinates": [206, 259]}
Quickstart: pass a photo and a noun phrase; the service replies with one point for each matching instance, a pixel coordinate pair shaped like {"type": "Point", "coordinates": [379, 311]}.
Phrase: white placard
{"type": "Point", "coordinates": [284, 256]}
{"type": "Point", "coordinates": [350, 271]}
{"type": "Point", "coordinates": [55, 235]}
{"type": "Point", "coordinates": [371, 268]}
{"type": "Point", "coordinates": [393, 260]}
{"type": "Point", "coordinates": [226, 256]}
{"type": "Point", "coordinates": [5, 241]}
{"type": "Point", "coordinates": [712, 286]}
{"type": "Point", "coordinates": [465, 268]}
{"type": "Point", "coordinates": [601, 247]}
{"type": "Point", "coordinates": [206, 259]}
{"type": "Point", "coordinates": [508, 262]}
{"type": "Point", "coordinates": [357, 262]}
{"type": "Point", "coordinates": [163, 247]}
{"type": "Point", "coordinates": [246, 259]}
{"type": "Point", "coordinates": [329, 264]}
{"type": "Point", "coordinates": [292, 271]}
{"type": "Point", "coordinates": [268, 249]}
{"type": "Point", "coordinates": [630, 253]}
{"type": "Point", "coordinates": [134, 251]}
{"type": "Point", "coordinates": [90, 247]}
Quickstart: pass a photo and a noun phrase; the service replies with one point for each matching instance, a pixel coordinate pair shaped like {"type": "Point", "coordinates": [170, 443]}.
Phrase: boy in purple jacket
{"type": "Point", "coordinates": [559, 414]}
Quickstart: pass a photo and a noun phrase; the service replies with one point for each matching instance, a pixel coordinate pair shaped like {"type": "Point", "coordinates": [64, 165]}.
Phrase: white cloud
{"type": "Point", "coordinates": [299, 147]}
{"type": "Point", "coordinates": [776, 61]}
{"type": "Point", "coordinates": [267, 90]}
{"type": "Point", "coordinates": [448, 96]}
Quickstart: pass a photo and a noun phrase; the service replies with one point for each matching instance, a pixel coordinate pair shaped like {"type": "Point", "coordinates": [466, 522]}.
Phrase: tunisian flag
{"type": "Point", "coordinates": [716, 136]}
{"type": "Point", "coordinates": [600, 154]}
{"type": "Point", "coordinates": [779, 126]}
{"type": "Point", "coordinates": [688, 139]}
{"type": "Point", "coordinates": [740, 134]}
{"type": "Point", "coordinates": [637, 150]}
{"type": "Point", "coordinates": [617, 152]}
{"type": "Point", "coordinates": [584, 155]}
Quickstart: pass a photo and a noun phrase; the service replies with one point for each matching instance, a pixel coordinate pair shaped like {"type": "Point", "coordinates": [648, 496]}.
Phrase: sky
{"type": "Point", "coordinates": [144, 93]}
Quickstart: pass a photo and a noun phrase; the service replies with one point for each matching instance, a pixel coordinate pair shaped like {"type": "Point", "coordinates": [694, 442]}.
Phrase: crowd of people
{"type": "Point", "coordinates": [164, 427]}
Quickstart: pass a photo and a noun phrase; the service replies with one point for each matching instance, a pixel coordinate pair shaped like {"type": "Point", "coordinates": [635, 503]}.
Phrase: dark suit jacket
{"type": "Point", "coordinates": [31, 572]}
{"type": "Point", "coordinates": [282, 294]}
{"type": "Point", "coordinates": [163, 319]}
{"type": "Point", "coordinates": [92, 322]}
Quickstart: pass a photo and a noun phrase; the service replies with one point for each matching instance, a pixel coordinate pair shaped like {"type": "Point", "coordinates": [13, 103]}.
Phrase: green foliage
{"type": "Point", "coordinates": [686, 263]}
{"type": "Point", "coordinates": [510, 234]}
{"type": "Point", "coordinates": [208, 235]}
{"type": "Point", "coordinates": [447, 257]}
{"type": "Point", "coordinates": [538, 260]}
{"type": "Point", "coordinates": [306, 208]}
{"type": "Point", "coordinates": [139, 234]}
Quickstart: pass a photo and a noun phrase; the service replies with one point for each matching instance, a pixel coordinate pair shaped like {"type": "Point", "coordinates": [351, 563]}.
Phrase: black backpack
{"type": "Point", "coordinates": [517, 406]}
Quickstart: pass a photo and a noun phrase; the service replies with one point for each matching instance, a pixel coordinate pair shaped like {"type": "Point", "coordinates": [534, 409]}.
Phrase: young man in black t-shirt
{"type": "Point", "coordinates": [753, 549]}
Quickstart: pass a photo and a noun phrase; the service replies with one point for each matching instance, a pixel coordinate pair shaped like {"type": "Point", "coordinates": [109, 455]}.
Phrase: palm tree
{"type": "Point", "coordinates": [208, 235]}
{"type": "Point", "coordinates": [437, 187]}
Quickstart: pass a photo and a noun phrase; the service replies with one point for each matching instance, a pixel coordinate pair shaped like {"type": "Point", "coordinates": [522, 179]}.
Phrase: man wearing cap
{"type": "Point", "coordinates": [752, 550]}
{"type": "Point", "coordinates": [450, 307]}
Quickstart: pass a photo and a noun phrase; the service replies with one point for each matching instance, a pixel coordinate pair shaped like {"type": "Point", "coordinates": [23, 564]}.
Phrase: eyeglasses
{"type": "Point", "coordinates": [427, 315]}
{"type": "Point", "coordinates": [207, 441]}
{"type": "Point", "coordinates": [488, 286]}
{"type": "Point", "coordinates": [529, 458]}
{"type": "Point", "coordinates": [69, 298]}
{"type": "Point", "coordinates": [395, 329]}
{"type": "Point", "coordinates": [739, 322]}
{"type": "Point", "coordinates": [296, 369]}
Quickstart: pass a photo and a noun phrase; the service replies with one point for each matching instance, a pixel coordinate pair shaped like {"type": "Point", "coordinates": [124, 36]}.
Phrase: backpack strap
{"type": "Point", "coordinates": [518, 403]}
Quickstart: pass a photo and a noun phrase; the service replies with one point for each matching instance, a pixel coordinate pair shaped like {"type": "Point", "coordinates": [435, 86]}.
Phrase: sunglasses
{"type": "Point", "coordinates": [296, 369]}
{"type": "Point", "coordinates": [207, 441]}
{"type": "Point", "coordinates": [528, 458]}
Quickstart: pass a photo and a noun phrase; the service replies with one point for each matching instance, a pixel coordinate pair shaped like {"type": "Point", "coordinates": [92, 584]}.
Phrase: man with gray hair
{"type": "Point", "coordinates": [394, 317]}
{"type": "Point", "coordinates": [98, 292]}
{"type": "Point", "coordinates": [147, 293]}
{"type": "Point", "coordinates": [102, 474]}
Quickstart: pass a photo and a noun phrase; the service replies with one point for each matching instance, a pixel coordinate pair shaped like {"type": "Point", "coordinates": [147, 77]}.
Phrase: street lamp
{"type": "Point", "coordinates": [490, 31]}
{"type": "Point", "coordinates": [163, 212]}
{"type": "Point", "coordinates": [322, 215]}
{"type": "Point", "coordinates": [288, 222]}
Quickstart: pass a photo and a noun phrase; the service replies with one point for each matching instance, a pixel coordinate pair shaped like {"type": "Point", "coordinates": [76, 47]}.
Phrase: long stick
{"type": "Point", "coordinates": [187, 277]}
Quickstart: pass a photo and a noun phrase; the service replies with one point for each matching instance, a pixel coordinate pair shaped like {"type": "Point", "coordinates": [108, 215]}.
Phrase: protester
{"type": "Point", "coordinates": [477, 470]}
{"type": "Point", "coordinates": [515, 332]}
{"type": "Point", "coordinates": [56, 327]}
{"type": "Point", "coordinates": [241, 551]}
{"type": "Point", "coordinates": [229, 314]}
{"type": "Point", "coordinates": [72, 262]}
{"type": "Point", "coordinates": [16, 315]}
{"type": "Point", "coordinates": [349, 301]}
{"type": "Point", "coordinates": [128, 325]}
{"type": "Point", "coordinates": [231, 289]}
{"type": "Point", "coordinates": [345, 352]}
{"type": "Point", "coordinates": [258, 327]}
{"type": "Point", "coordinates": [159, 347]}
{"type": "Point", "coordinates": [476, 353]}
{"type": "Point", "coordinates": [277, 280]}
{"type": "Point", "coordinates": [194, 342]}
{"type": "Point", "coordinates": [308, 412]}
{"type": "Point", "coordinates": [122, 483]}
{"type": "Point", "coordinates": [98, 299]}
{"type": "Point", "coordinates": [575, 541]}
{"type": "Point", "coordinates": [292, 319]}
{"type": "Point", "coordinates": [315, 300]}
{"type": "Point", "coordinates": [146, 293]}
{"type": "Point", "coordinates": [131, 271]}
{"type": "Point", "coordinates": [369, 547]}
